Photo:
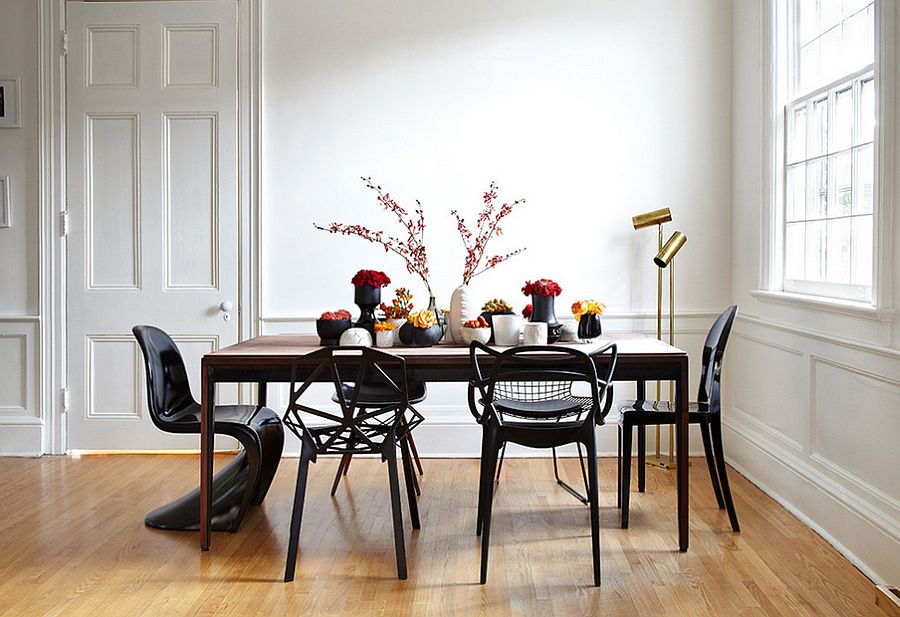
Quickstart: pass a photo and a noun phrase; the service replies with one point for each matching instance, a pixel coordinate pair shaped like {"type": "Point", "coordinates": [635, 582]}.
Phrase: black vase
{"type": "Point", "coordinates": [330, 330]}
{"type": "Point", "coordinates": [412, 336]}
{"type": "Point", "coordinates": [589, 327]}
{"type": "Point", "coordinates": [543, 309]}
{"type": "Point", "coordinates": [367, 298]}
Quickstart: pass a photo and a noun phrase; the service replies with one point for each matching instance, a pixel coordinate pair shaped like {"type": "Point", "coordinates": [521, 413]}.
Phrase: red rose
{"type": "Point", "coordinates": [375, 278]}
{"type": "Point", "coordinates": [541, 287]}
{"type": "Point", "coordinates": [526, 312]}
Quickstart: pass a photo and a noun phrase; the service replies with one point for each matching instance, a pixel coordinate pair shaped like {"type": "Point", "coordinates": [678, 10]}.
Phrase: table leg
{"type": "Point", "coordinates": [681, 436]}
{"type": "Point", "coordinates": [207, 401]}
{"type": "Point", "coordinates": [261, 393]}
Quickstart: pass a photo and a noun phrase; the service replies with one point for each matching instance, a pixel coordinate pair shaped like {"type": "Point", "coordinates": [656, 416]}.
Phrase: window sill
{"type": "Point", "coordinates": [830, 305]}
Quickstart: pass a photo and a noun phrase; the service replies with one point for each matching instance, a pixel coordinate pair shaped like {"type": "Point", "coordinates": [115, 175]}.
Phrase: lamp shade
{"type": "Point", "coordinates": [670, 249]}
{"type": "Point", "coordinates": [654, 217]}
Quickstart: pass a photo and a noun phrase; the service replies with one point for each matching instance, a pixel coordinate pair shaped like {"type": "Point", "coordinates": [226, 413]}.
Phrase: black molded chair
{"type": "Point", "coordinates": [354, 428]}
{"type": "Point", "coordinates": [523, 404]}
{"type": "Point", "coordinates": [706, 411]}
{"type": "Point", "coordinates": [247, 478]}
{"type": "Point", "coordinates": [372, 396]}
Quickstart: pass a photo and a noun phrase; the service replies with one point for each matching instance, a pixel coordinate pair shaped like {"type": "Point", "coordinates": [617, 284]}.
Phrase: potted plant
{"type": "Point", "coordinates": [420, 330]}
{"type": "Point", "coordinates": [495, 306]}
{"type": "Point", "coordinates": [384, 333]}
{"type": "Point", "coordinates": [331, 325]}
{"type": "Point", "coordinates": [398, 310]}
{"type": "Point", "coordinates": [588, 313]}
{"type": "Point", "coordinates": [543, 294]}
{"type": "Point", "coordinates": [367, 295]}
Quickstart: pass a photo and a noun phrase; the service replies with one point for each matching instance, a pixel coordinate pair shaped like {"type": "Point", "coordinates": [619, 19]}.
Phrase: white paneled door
{"type": "Point", "coordinates": [152, 201]}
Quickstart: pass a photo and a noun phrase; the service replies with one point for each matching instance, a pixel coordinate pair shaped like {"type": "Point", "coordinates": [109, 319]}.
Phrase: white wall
{"type": "Point", "coordinates": [815, 395]}
{"type": "Point", "coordinates": [20, 415]}
{"type": "Point", "coordinates": [593, 111]}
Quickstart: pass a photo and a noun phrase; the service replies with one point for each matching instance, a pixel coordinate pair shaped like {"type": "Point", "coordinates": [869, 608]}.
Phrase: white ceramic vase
{"type": "Point", "coordinates": [396, 331]}
{"type": "Point", "coordinates": [462, 308]}
{"type": "Point", "coordinates": [506, 330]}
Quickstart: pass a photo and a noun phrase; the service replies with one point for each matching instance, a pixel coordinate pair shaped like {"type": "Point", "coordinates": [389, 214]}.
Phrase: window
{"type": "Point", "coordinates": [829, 157]}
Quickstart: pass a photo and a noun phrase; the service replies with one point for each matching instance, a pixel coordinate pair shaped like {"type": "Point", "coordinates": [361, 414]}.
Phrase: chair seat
{"type": "Point", "coordinates": [374, 395]}
{"type": "Point", "coordinates": [658, 412]}
{"type": "Point", "coordinates": [556, 408]}
{"type": "Point", "coordinates": [224, 415]}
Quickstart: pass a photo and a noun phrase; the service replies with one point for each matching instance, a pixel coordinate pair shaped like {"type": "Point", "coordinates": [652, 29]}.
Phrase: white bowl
{"type": "Point", "coordinates": [482, 335]}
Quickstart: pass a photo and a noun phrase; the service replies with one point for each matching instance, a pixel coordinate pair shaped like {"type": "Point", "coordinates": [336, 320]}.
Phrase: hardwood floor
{"type": "Point", "coordinates": [72, 542]}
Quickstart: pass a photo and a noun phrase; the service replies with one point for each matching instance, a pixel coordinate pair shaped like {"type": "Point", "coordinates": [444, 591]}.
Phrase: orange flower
{"type": "Point", "coordinates": [583, 307]}
{"type": "Point", "coordinates": [422, 319]}
{"type": "Point", "coordinates": [384, 326]}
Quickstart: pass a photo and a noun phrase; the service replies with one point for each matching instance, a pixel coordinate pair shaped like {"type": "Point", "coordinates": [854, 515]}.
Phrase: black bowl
{"type": "Point", "coordinates": [330, 330]}
{"type": "Point", "coordinates": [412, 336]}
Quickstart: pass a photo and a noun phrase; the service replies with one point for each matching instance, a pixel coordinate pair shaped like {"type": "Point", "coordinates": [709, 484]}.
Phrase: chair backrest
{"type": "Point", "coordinates": [168, 388]}
{"type": "Point", "coordinates": [538, 373]}
{"type": "Point", "coordinates": [351, 428]}
{"type": "Point", "coordinates": [713, 354]}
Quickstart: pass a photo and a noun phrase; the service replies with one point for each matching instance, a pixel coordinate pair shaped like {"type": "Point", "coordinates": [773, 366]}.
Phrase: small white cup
{"type": "Point", "coordinates": [535, 333]}
{"type": "Point", "coordinates": [506, 330]}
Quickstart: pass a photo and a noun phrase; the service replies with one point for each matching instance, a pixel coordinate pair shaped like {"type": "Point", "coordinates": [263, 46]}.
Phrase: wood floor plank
{"type": "Point", "coordinates": [72, 542]}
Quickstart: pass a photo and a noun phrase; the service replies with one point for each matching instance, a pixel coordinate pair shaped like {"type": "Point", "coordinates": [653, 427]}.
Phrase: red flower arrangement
{"type": "Point", "coordinates": [375, 278]}
{"type": "Point", "coordinates": [400, 307]}
{"type": "Point", "coordinates": [487, 226]}
{"type": "Point", "coordinates": [412, 250]}
{"type": "Point", "coordinates": [541, 287]}
{"type": "Point", "coordinates": [336, 315]}
{"type": "Point", "coordinates": [526, 312]}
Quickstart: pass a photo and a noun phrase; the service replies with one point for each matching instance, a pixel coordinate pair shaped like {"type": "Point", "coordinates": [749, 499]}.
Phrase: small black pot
{"type": "Point", "coordinates": [367, 298]}
{"type": "Point", "coordinates": [589, 327]}
{"type": "Point", "coordinates": [412, 336]}
{"type": "Point", "coordinates": [330, 330]}
{"type": "Point", "coordinates": [543, 309]}
{"type": "Point", "coordinates": [488, 317]}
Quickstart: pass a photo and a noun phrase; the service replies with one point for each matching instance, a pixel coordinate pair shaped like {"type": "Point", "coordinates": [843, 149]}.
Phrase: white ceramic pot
{"type": "Point", "coordinates": [462, 309]}
{"type": "Point", "coordinates": [385, 338]}
{"type": "Point", "coordinates": [506, 329]}
{"type": "Point", "coordinates": [482, 335]}
{"type": "Point", "coordinates": [535, 333]}
{"type": "Point", "coordinates": [358, 337]}
{"type": "Point", "coordinates": [569, 331]}
{"type": "Point", "coordinates": [399, 321]}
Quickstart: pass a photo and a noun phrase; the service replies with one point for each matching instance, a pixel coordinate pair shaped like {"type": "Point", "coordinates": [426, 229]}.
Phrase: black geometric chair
{"type": "Point", "coordinates": [522, 403]}
{"type": "Point", "coordinates": [247, 478]}
{"type": "Point", "coordinates": [353, 428]}
{"type": "Point", "coordinates": [373, 396]}
{"type": "Point", "coordinates": [706, 411]}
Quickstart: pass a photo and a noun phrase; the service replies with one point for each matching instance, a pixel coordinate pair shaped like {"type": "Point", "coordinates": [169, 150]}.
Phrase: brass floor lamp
{"type": "Point", "coordinates": [665, 257]}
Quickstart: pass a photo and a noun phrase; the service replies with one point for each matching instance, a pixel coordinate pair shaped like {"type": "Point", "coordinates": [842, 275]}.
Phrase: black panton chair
{"type": "Point", "coordinates": [351, 427]}
{"type": "Point", "coordinates": [373, 396]}
{"type": "Point", "coordinates": [706, 411]}
{"type": "Point", "coordinates": [521, 402]}
{"type": "Point", "coordinates": [241, 483]}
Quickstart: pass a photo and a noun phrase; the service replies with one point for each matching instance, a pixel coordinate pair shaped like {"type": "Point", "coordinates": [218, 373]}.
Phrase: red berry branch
{"type": "Point", "coordinates": [412, 249]}
{"type": "Point", "coordinates": [487, 225]}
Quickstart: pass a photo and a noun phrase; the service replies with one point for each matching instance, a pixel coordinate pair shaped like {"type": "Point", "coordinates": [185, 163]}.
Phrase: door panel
{"type": "Point", "coordinates": [153, 203]}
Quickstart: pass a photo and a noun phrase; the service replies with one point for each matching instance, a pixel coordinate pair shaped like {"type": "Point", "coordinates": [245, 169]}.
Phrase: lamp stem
{"type": "Point", "coordinates": [659, 300]}
{"type": "Point", "coordinates": [672, 343]}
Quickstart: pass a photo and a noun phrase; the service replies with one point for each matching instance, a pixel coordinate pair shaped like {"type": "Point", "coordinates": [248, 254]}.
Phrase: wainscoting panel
{"type": "Point", "coordinates": [824, 444]}
{"type": "Point", "coordinates": [20, 411]}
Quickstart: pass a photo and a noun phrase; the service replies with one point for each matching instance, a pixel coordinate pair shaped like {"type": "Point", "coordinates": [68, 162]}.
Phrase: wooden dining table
{"type": "Point", "coordinates": [269, 359]}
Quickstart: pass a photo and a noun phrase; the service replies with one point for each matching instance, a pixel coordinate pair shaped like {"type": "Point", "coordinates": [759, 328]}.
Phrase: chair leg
{"type": "Point", "coordinates": [626, 472]}
{"type": "Point", "coordinates": [582, 498]}
{"type": "Point", "coordinates": [389, 454]}
{"type": "Point", "coordinates": [711, 463]}
{"type": "Point", "coordinates": [716, 429]}
{"type": "Point", "coordinates": [487, 498]}
{"type": "Point", "coordinates": [483, 477]}
{"type": "Point", "coordinates": [594, 496]}
{"type": "Point", "coordinates": [500, 464]}
{"type": "Point", "coordinates": [341, 471]}
{"type": "Point", "coordinates": [307, 454]}
{"type": "Point", "coordinates": [619, 466]}
{"type": "Point", "coordinates": [415, 453]}
{"type": "Point", "coordinates": [409, 475]}
{"type": "Point", "coordinates": [272, 446]}
{"type": "Point", "coordinates": [642, 458]}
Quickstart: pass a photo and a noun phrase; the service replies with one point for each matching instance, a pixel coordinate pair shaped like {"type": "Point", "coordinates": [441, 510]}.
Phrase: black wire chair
{"type": "Point", "coordinates": [353, 428]}
{"type": "Point", "coordinates": [526, 398]}
{"type": "Point", "coordinates": [706, 411]}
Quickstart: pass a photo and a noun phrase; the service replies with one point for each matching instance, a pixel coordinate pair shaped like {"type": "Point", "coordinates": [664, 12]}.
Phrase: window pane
{"type": "Point", "coordinates": [796, 193]}
{"type": "Point", "coordinates": [864, 198]}
{"type": "Point", "coordinates": [809, 66]}
{"type": "Point", "coordinates": [859, 39]}
{"type": "Point", "coordinates": [842, 125]}
{"type": "Point", "coordinates": [861, 264]}
{"type": "Point", "coordinates": [838, 251]}
{"type": "Point", "coordinates": [833, 66]}
{"type": "Point", "coordinates": [798, 134]}
{"type": "Point", "coordinates": [817, 181]}
{"type": "Point", "coordinates": [852, 6]}
{"type": "Point", "coordinates": [814, 269]}
{"type": "Point", "coordinates": [819, 127]}
{"type": "Point", "coordinates": [829, 13]}
{"type": "Point", "coordinates": [794, 237]}
{"type": "Point", "coordinates": [841, 168]}
{"type": "Point", "coordinates": [808, 16]}
{"type": "Point", "coordinates": [867, 111]}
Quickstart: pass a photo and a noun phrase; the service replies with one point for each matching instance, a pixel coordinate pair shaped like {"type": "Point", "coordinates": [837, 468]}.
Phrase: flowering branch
{"type": "Point", "coordinates": [412, 249]}
{"type": "Point", "coordinates": [487, 225]}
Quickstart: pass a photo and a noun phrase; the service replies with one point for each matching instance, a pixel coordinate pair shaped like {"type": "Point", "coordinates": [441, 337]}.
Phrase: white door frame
{"type": "Point", "coordinates": [52, 199]}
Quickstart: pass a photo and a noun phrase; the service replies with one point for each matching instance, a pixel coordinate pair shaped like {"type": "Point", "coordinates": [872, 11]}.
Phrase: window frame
{"type": "Point", "coordinates": [777, 51]}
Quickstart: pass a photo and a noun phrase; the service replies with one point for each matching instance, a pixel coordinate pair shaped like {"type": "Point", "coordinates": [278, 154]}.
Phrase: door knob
{"type": "Point", "coordinates": [226, 306]}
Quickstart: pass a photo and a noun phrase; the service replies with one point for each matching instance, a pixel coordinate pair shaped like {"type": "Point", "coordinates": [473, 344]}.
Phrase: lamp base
{"type": "Point", "coordinates": [663, 462]}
